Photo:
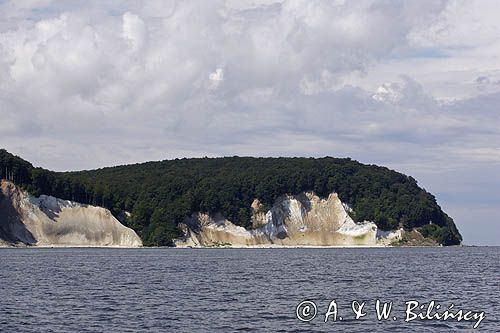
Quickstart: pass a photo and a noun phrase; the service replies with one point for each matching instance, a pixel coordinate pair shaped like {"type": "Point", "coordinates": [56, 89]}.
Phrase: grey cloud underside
{"type": "Point", "coordinates": [85, 84]}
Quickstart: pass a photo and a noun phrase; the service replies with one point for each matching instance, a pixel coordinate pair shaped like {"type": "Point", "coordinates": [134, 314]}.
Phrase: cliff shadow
{"type": "Point", "coordinates": [50, 210]}
{"type": "Point", "coordinates": [12, 229]}
{"type": "Point", "coordinates": [304, 200]}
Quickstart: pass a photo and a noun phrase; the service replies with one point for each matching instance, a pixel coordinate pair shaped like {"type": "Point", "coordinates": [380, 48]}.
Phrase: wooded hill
{"type": "Point", "coordinates": [160, 195]}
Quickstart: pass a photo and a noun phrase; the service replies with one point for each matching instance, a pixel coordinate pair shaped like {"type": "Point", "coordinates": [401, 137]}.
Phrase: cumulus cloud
{"type": "Point", "coordinates": [129, 74]}
{"type": "Point", "coordinates": [216, 77]}
{"type": "Point", "coordinates": [134, 30]}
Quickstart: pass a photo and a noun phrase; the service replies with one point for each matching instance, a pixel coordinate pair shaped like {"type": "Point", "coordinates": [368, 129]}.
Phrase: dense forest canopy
{"type": "Point", "coordinates": [160, 195]}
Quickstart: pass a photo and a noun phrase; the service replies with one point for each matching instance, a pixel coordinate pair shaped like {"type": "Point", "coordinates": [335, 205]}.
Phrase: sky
{"type": "Point", "coordinates": [411, 85]}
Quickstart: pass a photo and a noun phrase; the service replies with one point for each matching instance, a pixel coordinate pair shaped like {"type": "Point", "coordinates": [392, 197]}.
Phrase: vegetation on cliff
{"type": "Point", "coordinates": [160, 195]}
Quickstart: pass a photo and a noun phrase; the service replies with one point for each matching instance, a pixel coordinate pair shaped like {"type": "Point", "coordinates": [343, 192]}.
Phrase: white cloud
{"type": "Point", "coordinates": [216, 78]}
{"type": "Point", "coordinates": [302, 67]}
{"type": "Point", "coordinates": [134, 30]}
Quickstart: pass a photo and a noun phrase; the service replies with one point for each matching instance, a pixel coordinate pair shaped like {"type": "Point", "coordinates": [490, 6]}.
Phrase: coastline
{"type": "Point", "coordinates": [24, 246]}
{"type": "Point", "coordinates": [267, 246]}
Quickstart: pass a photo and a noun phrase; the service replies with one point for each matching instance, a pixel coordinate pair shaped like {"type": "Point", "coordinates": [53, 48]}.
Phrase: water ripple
{"type": "Point", "coordinates": [228, 290]}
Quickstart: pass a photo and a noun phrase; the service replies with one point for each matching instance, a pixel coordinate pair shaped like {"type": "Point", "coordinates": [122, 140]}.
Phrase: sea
{"type": "Point", "coordinates": [250, 290]}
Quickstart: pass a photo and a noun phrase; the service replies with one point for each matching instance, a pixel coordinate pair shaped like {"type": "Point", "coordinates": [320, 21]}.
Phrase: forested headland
{"type": "Point", "coordinates": [160, 195]}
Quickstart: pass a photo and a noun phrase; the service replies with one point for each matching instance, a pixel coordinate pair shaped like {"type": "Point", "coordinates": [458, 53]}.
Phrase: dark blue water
{"type": "Point", "coordinates": [238, 290]}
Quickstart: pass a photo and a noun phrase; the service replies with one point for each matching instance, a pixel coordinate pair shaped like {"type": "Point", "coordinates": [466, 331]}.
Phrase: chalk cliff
{"type": "Point", "coordinates": [299, 220]}
{"type": "Point", "coordinates": [48, 221]}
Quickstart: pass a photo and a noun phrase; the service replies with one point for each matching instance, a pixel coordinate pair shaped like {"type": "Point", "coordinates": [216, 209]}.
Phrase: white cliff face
{"type": "Point", "coordinates": [388, 237]}
{"type": "Point", "coordinates": [300, 220]}
{"type": "Point", "coordinates": [48, 221]}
